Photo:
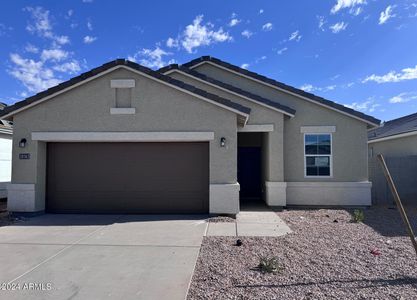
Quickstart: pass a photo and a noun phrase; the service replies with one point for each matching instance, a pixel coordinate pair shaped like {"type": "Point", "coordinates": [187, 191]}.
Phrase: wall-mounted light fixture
{"type": "Point", "coordinates": [22, 143]}
{"type": "Point", "coordinates": [223, 142]}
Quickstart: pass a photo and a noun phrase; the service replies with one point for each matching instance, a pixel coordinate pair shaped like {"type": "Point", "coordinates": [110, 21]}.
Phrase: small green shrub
{"type": "Point", "coordinates": [358, 216]}
{"type": "Point", "coordinates": [269, 265]}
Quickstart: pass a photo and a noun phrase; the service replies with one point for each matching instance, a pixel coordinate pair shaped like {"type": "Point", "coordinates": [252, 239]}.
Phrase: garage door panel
{"type": "Point", "coordinates": [128, 177]}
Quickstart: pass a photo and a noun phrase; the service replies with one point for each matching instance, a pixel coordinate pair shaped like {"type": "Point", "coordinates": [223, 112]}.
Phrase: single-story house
{"type": "Point", "coordinates": [396, 140]}
{"type": "Point", "coordinates": [196, 138]}
{"type": "Point", "coordinates": [6, 132]}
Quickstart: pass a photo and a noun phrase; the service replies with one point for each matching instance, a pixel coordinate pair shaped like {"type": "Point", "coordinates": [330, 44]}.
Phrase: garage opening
{"type": "Point", "coordinates": [157, 178]}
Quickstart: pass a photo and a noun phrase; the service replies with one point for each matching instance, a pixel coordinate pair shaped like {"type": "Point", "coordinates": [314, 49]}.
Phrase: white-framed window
{"type": "Point", "coordinates": [318, 160]}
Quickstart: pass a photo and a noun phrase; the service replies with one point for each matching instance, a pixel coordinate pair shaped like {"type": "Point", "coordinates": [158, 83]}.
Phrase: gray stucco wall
{"type": "Point", "coordinates": [401, 157]}
{"type": "Point", "coordinates": [349, 140]}
{"type": "Point", "coordinates": [274, 147]}
{"type": "Point", "coordinates": [396, 147]}
{"type": "Point", "coordinates": [158, 108]}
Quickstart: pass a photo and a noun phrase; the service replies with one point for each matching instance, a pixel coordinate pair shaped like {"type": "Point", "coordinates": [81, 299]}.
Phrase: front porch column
{"type": "Point", "coordinates": [275, 189]}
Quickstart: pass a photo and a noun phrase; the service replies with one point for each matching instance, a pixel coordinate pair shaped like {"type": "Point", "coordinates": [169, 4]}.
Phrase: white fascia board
{"type": "Point", "coordinates": [318, 129]}
{"type": "Point", "coordinates": [182, 136]}
{"type": "Point", "coordinates": [392, 137]}
{"type": "Point", "coordinates": [257, 128]}
{"type": "Point", "coordinates": [230, 92]}
{"type": "Point", "coordinates": [285, 91]}
{"type": "Point", "coordinates": [135, 71]}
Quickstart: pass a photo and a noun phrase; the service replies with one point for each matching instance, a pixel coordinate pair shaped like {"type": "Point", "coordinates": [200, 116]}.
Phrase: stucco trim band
{"type": "Point", "coordinates": [21, 197]}
{"type": "Point", "coordinates": [256, 128]}
{"type": "Point", "coordinates": [318, 129]}
{"type": "Point", "coordinates": [275, 193]}
{"type": "Point", "coordinates": [329, 193]}
{"type": "Point", "coordinates": [122, 136]}
{"type": "Point", "coordinates": [224, 198]}
{"type": "Point", "coordinates": [122, 111]}
{"type": "Point", "coordinates": [122, 83]}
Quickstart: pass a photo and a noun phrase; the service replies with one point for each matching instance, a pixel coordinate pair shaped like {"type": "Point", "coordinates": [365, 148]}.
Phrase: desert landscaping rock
{"type": "Point", "coordinates": [321, 259]}
{"type": "Point", "coordinates": [221, 219]}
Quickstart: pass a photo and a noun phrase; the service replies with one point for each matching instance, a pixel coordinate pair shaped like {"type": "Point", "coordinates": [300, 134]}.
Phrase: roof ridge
{"type": "Point", "coordinates": [284, 86]}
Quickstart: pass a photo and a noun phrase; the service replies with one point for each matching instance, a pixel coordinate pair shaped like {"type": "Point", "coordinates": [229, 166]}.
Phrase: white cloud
{"type": "Point", "coordinates": [392, 76]}
{"type": "Point", "coordinates": [89, 25]}
{"type": "Point", "coordinates": [87, 1]}
{"type": "Point", "coordinates": [307, 88]}
{"type": "Point", "coordinates": [261, 11]}
{"type": "Point", "coordinates": [403, 97]}
{"type": "Point", "coordinates": [338, 27]}
{"type": "Point", "coordinates": [70, 67]}
{"type": "Point", "coordinates": [34, 75]}
{"type": "Point", "coordinates": [367, 106]}
{"type": "Point", "coordinates": [62, 40]}
{"type": "Point", "coordinates": [70, 12]}
{"type": "Point", "coordinates": [295, 36]}
{"type": "Point", "coordinates": [356, 11]}
{"type": "Point", "coordinates": [151, 58]}
{"type": "Point", "coordinates": [267, 26]}
{"type": "Point", "coordinates": [89, 39]}
{"type": "Point", "coordinates": [41, 25]}
{"type": "Point", "coordinates": [31, 48]}
{"type": "Point", "coordinates": [172, 43]}
{"type": "Point", "coordinates": [342, 4]}
{"type": "Point", "coordinates": [196, 35]}
{"type": "Point", "coordinates": [244, 66]}
{"type": "Point", "coordinates": [54, 55]}
{"type": "Point", "coordinates": [322, 22]}
{"type": "Point", "coordinates": [282, 50]}
{"type": "Point", "coordinates": [386, 15]}
{"type": "Point", "coordinates": [310, 88]}
{"type": "Point", "coordinates": [247, 33]}
{"type": "Point", "coordinates": [234, 20]}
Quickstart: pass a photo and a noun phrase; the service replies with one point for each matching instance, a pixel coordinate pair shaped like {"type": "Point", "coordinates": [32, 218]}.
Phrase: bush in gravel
{"type": "Point", "coordinates": [358, 216]}
{"type": "Point", "coordinates": [269, 265]}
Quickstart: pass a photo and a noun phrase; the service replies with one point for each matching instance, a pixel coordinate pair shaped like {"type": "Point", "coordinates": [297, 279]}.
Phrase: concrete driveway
{"type": "Point", "coordinates": [100, 256]}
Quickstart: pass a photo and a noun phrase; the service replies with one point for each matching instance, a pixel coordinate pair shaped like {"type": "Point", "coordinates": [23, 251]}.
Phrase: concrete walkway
{"type": "Point", "coordinates": [251, 223]}
{"type": "Point", "coordinates": [100, 256]}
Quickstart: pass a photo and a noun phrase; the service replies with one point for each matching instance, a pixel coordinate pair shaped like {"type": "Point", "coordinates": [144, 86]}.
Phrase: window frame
{"type": "Point", "coordinates": [308, 155]}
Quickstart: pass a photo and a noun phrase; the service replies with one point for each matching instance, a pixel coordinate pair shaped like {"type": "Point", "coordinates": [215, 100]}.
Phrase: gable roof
{"type": "Point", "coordinates": [283, 87]}
{"type": "Point", "coordinates": [8, 111]}
{"type": "Point", "coordinates": [396, 128]}
{"type": "Point", "coordinates": [256, 98]}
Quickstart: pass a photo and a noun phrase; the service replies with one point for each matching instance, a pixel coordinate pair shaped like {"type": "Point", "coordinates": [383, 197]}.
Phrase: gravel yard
{"type": "Point", "coordinates": [326, 257]}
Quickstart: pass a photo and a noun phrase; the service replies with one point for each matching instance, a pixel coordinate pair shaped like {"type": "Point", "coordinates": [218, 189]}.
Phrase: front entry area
{"type": "Point", "coordinates": [249, 164]}
{"type": "Point", "coordinates": [155, 178]}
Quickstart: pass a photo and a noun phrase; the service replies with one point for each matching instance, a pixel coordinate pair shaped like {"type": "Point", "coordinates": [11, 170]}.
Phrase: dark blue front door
{"type": "Point", "coordinates": [249, 172]}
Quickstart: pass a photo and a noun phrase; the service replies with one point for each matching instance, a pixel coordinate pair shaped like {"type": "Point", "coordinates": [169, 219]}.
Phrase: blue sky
{"type": "Point", "coordinates": [360, 53]}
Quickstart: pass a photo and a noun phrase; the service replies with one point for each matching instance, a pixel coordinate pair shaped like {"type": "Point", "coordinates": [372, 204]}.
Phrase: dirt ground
{"type": "Point", "coordinates": [326, 257]}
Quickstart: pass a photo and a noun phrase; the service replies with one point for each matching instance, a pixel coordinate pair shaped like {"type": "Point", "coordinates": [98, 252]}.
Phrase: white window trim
{"type": "Point", "coordinates": [305, 155]}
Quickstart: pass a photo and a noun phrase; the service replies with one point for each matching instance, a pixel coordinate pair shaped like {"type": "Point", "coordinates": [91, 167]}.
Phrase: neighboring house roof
{"type": "Point", "coordinates": [256, 98]}
{"type": "Point", "coordinates": [33, 100]}
{"type": "Point", "coordinates": [286, 88]}
{"type": "Point", "coordinates": [396, 128]}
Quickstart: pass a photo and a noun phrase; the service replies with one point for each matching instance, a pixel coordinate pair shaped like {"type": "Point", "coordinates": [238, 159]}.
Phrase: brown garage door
{"type": "Point", "coordinates": [128, 177]}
